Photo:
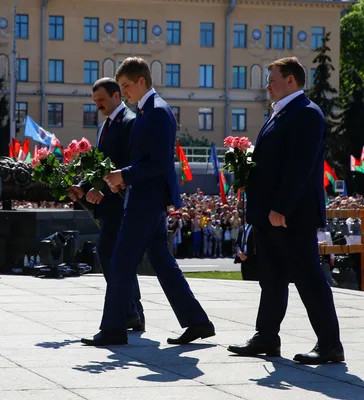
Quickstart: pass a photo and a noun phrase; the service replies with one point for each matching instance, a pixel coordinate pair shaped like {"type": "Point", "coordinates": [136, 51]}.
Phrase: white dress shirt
{"type": "Point", "coordinates": [279, 105]}
{"type": "Point", "coordinates": [116, 112]}
{"type": "Point", "coordinates": [142, 101]}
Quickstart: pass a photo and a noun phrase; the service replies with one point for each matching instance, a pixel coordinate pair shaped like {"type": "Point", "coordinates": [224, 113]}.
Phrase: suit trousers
{"type": "Point", "coordinates": [291, 254]}
{"type": "Point", "coordinates": [132, 242]}
{"type": "Point", "coordinates": [109, 229]}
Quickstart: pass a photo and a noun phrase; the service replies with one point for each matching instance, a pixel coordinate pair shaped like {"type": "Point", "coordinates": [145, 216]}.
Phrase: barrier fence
{"type": "Point", "coordinates": [347, 248]}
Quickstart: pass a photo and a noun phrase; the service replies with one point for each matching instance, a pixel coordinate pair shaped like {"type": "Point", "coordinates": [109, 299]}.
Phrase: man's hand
{"type": "Point", "coordinates": [94, 196]}
{"type": "Point", "coordinates": [115, 181]}
{"type": "Point", "coordinates": [242, 256]}
{"type": "Point", "coordinates": [277, 219]}
{"type": "Point", "coordinates": [75, 192]}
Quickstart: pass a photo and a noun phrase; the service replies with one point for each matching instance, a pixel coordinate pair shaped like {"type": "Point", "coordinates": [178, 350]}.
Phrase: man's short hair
{"type": "Point", "coordinates": [134, 68]}
{"type": "Point", "coordinates": [109, 84]}
{"type": "Point", "coordinates": [290, 66]}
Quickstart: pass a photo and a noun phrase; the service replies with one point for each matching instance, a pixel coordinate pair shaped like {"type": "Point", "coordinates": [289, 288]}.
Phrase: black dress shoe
{"type": "Point", "coordinates": [192, 333]}
{"type": "Point", "coordinates": [319, 355]}
{"type": "Point", "coordinates": [107, 339]}
{"type": "Point", "coordinates": [256, 346]}
{"type": "Point", "coordinates": [136, 325]}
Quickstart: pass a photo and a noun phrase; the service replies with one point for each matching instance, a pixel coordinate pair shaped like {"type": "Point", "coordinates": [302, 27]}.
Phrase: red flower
{"type": "Point", "coordinates": [42, 153]}
{"type": "Point", "coordinates": [84, 145]}
{"type": "Point", "coordinates": [68, 156]}
{"type": "Point", "coordinates": [228, 141]}
{"type": "Point", "coordinates": [74, 147]}
{"type": "Point", "coordinates": [244, 143]}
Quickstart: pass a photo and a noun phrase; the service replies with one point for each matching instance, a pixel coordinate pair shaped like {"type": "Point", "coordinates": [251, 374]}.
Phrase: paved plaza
{"type": "Point", "coordinates": [41, 357]}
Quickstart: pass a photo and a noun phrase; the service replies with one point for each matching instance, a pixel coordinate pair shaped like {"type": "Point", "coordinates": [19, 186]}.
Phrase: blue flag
{"type": "Point", "coordinates": [36, 132]}
{"type": "Point", "coordinates": [215, 162]}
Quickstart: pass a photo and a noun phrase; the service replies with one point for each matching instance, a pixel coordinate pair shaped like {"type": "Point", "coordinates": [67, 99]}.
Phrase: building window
{"type": "Point", "coordinates": [266, 114]}
{"type": "Point", "coordinates": [266, 76]}
{"type": "Point", "coordinates": [55, 115]}
{"type": "Point", "coordinates": [239, 119]}
{"type": "Point", "coordinates": [90, 72]}
{"type": "Point", "coordinates": [173, 33]}
{"type": "Point", "coordinates": [207, 76]}
{"type": "Point", "coordinates": [56, 28]}
{"type": "Point", "coordinates": [278, 37]}
{"type": "Point", "coordinates": [173, 75]}
{"type": "Point", "coordinates": [55, 71]}
{"type": "Point", "coordinates": [90, 117]}
{"type": "Point", "coordinates": [289, 36]}
{"type": "Point", "coordinates": [312, 75]}
{"type": "Point", "coordinates": [22, 26]}
{"type": "Point", "coordinates": [91, 29]}
{"type": "Point", "coordinates": [206, 34]}
{"type": "Point", "coordinates": [176, 114]}
{"type": "Point", "coordinates": [132, 31]}
{"type": "Point", "coordinates": [205, 119]}
{"type": "Point", "coordinates": [268, 37]}
{"type": "Point", "coordinates": [239, 77]}
{"type": "Point", "coordinates": [143, 32]}
{"type": "Point", "coordinates": [239, 36]}
{"type": "Point", "coordinates": [317, 34]}
{"type": "Point", "coordinates": [21, 112]}
{"type": "Point", "coordinates": [121, 30]}
{"type": "Point", "coordinates": [22, 70]}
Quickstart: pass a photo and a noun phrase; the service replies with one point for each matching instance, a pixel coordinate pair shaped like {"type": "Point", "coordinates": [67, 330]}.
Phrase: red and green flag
{"type": "Point", "coordinates": [11, 152]}
{"type": "Point", "coordinates": [24, 150]}
{"type": "Point", "coordinates": [329, 175]}
{"type": "Point", "coordinates": [224, 188]}
{"type": "Point", "coordinates": [16, 148]}
{"type": "Point", "coordinates": [357, 165]}
{"type": "Point", "coordinates": [186, 173]}
{"type": "Point", "coordinates": [55, 146]}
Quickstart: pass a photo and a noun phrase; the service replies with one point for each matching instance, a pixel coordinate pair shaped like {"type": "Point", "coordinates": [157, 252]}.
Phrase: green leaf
{"type": "Point", "coordinates": [97, 183]}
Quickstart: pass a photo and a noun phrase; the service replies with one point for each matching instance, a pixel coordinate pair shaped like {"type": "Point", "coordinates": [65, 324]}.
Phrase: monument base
{"type": "Point", "coordinates": [22, 230]}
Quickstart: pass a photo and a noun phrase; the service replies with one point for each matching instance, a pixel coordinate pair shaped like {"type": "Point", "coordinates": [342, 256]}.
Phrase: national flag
{"type": "Point", "coordinates": [329, 175]}
{"type": "Point", "coordinates": [55, 146]}
{"type": "Point", "coordinates": [215, 162]}
{"type": "Point", "coordinates": [186, 173]}
{"type": "Point", "coordinates": [224, 188]}
{"type": "Point", "coordinates": [36, 132]}
{"type": "Point", "coordinates": [357, 165]}
{"type": "Point", "coordinates": [24, 150]}
{"type": "Point", "coordinates": [11, 152]}
{"type": "Point", "coordinates": [28, 158]}
{"type": "Point", "coordinates": [16, 148]}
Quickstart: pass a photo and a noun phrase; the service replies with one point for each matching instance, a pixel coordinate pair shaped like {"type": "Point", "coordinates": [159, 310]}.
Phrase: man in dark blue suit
{"type": "Point", "coordinates": [286, 205]}
{"type": "Point", "coordinates": [151, 183]}
{"type": "Point", "coordinates": [113, 140]}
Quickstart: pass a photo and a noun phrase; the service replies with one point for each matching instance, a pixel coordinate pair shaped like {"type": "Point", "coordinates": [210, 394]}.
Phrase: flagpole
{"type": "Point", "coordinates": [13, 77]}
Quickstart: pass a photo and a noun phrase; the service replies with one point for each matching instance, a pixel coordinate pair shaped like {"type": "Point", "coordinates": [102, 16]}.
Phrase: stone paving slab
{"type": "Point", "coordinates": [41, 357]}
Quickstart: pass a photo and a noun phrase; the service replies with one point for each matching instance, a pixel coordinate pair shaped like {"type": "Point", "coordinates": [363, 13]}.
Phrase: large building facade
{"type": "Point", "coordinates": [208, 58]}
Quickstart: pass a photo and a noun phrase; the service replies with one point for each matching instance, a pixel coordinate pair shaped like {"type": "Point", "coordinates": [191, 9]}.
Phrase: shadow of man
{"type": "Point", "coordinates": [146, 354]}
{"type": "Point", "coordinates": [288, 374]}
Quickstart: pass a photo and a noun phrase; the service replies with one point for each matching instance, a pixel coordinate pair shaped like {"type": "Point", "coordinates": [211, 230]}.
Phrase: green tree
{"type": "Point", "coordinates": [352, 44]}
{"type": "Point", "coordinates": [322, 93]}
{"type": "Point", "coordinates": [349, 132]}
{"type": "Point", "coordinates": [325, 96]}
{"type": "Point", "coordinates": [187, 140]}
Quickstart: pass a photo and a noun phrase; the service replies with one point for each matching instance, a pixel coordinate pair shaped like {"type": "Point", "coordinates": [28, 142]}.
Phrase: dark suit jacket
{"type": "Point", "coordinates": [116, 146]}
{"type": "Point", "coordinates": [251, 251]}
{"type": "Point", "coordinates": [151, 177]}
{"type": "Point", "coordinates": [288, 177]}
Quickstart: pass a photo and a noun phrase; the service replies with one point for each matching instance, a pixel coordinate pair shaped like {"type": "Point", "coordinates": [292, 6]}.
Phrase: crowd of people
{"type": "Point", "coordinates": [204, 226]}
